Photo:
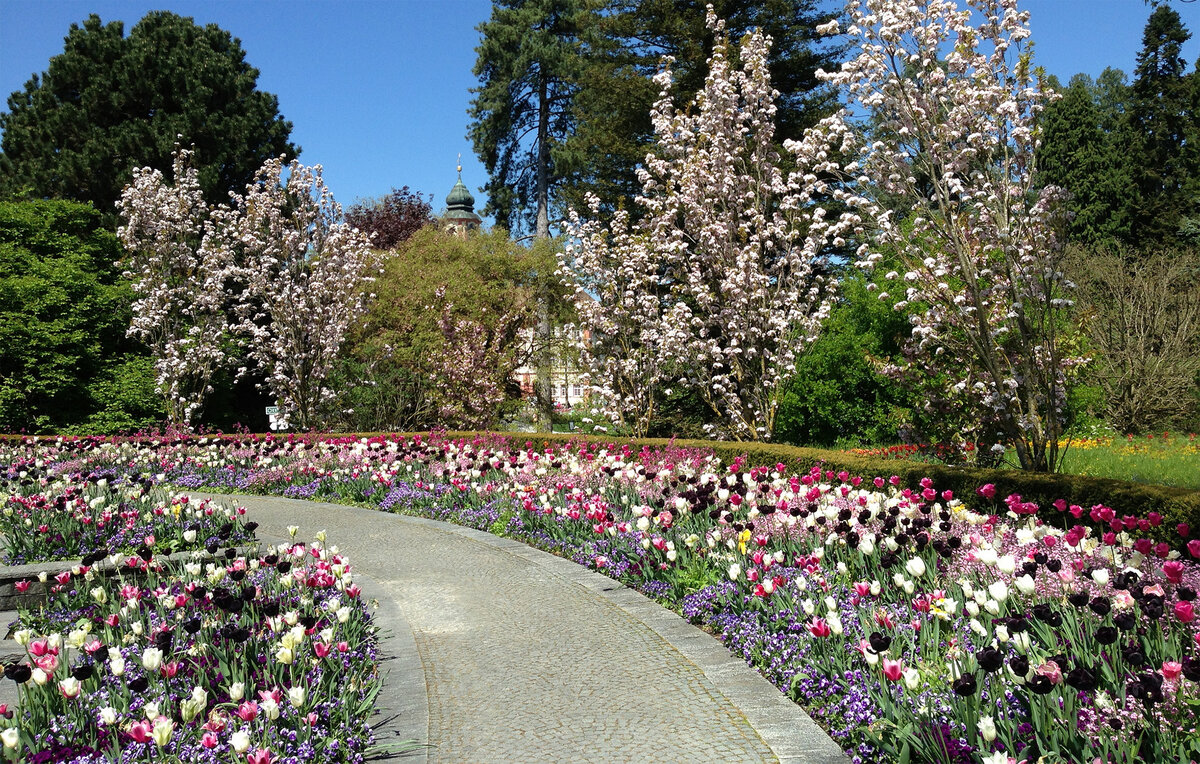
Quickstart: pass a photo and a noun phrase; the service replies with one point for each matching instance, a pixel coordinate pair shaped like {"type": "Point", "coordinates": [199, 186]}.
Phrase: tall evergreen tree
{"type": "Point", "coordinates": [625, 43]}
{"type": "Point", "coordinates": [1164, 131]}
{"type": "Point", "coordinates": [528, 61]}
{"type": "Point", "coordinates": [109, 103]}
{"type": "Point", "coordinates": [1078, 154]}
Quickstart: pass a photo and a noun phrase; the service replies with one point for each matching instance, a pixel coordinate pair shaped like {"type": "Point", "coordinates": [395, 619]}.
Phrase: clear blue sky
{"type": "Point", "coordinates": [377, 90]}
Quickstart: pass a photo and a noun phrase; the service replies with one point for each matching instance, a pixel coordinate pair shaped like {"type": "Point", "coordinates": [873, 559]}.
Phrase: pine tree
{"type": "Point", "coordinates": [110, 103]}
{"type": "Point", "coordinates": [1079, 155]}
{"type": "Point", "coordinates": [528, 60]}
{"type": "Point", "coordinates": [624, 45]}
{"type": "Point", "coordinates": [1162, 121]}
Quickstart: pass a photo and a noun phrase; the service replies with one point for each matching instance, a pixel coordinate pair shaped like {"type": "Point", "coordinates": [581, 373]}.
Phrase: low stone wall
{"type": "Point", "coordinates": [38, 591]}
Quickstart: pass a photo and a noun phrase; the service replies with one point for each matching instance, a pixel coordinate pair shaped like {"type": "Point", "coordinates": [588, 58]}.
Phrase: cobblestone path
{"type": "Point", "coordinates": [525, 657]}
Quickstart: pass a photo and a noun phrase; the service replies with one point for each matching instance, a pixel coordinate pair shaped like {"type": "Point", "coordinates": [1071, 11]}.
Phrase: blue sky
{"type": "Point", "coordinates": [378, 90]}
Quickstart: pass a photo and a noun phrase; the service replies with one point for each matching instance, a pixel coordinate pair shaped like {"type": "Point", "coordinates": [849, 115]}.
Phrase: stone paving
{"type": "Point", "coordinates": [498, 652]}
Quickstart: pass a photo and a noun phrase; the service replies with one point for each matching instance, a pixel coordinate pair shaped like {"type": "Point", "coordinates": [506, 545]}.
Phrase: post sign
{"type": "Point", "coordinates": [272, 410]}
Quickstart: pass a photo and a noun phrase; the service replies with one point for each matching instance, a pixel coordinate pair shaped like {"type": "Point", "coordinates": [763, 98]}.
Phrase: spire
{"type": "Point", "coordinates": [460, 205]}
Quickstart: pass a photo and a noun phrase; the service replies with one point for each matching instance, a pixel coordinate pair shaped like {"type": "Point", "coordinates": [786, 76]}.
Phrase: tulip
{"type": "Point", "coordinates": [1024, 584]}
{"type": "Point", "coordinates": [152, 659]}
{"type": "Point", "coordinates": [818, 627]}
{"type": "Point", "coordinates": [296, 696]}
{"type": "Point", "coordinates": [999, 591]}
{"type": "Point", "coordinates": [915, 567]}
{"type": "Point", "coordinates": [260, 756]}
{"type": "Point", "coordinates": [163, 729]}
{"type": "Point", "coordinates": [1171, 670]}
{"type": "Point", "coordinates": [1185, 612]}
{"type": "Point", "coordinates": [209, 739]}
{"type": "Point", "coordinates": [69, 687]}
{"type": "Point", "coordinates": [237, 691]}
{"type": "Point", "coordinates": [11, 737]}
{"type": "Point", "coordinates": [893, 670]}
{"type": "Point", "coordinates": [247, 711]}
{"type": "Point", "coordinates": [987, 728]}
{"type": "Point", "coordinates": [239, 741]}
{"type": "Point", "coordinates": [141, 731]}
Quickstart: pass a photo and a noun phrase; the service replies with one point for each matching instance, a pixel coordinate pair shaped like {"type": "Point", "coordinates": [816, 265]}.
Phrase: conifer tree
{"type": "Point", "coordinates": [1164, 130]}
{"type": "Point", "coordinates": [521, 114]}
{"type": "Point", "coordinates": [109, 103]}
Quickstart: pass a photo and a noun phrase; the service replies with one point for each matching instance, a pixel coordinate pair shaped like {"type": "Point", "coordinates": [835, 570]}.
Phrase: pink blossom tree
{"type": "Point", "coordinates": [178, 265]}
{"type": "Point", "coordinates": [302, 270]}
{"type": "Point", "coordinates": [475, 361]}
{"type": "Point", "coordinates": [721, 283]}
{"type": "Point", "coordinates": [952, 98]}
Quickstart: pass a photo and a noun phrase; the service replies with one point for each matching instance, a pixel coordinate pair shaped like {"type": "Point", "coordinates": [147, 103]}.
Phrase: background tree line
{"type": "Point", "coordinates": [561, 112]}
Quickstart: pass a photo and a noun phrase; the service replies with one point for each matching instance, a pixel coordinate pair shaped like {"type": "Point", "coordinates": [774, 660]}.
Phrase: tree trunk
{"type": "Point", "coordinates": [543, 386]}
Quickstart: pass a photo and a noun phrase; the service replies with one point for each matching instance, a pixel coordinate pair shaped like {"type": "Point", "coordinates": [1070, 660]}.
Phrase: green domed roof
{"type": "Point", "coordinates": [460, 198]}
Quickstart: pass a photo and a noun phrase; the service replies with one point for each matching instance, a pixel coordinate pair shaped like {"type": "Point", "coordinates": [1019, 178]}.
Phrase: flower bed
{"type": "Point", "coordinates": [911, 623]}
{"type": "Point", "coordinates": [263, 657]}
{"type": "Point", "coordinates": [97, 513]}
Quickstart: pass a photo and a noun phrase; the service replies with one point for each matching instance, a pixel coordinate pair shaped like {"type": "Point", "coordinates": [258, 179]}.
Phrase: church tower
{"type": "Point", "coordinates": [460, 214]}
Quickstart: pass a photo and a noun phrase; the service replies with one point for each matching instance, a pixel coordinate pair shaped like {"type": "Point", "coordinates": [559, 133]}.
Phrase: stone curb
{"type": "Point", "coordinates": [11, 599]}
{"type": "Point", "coordinates": [788, 731]}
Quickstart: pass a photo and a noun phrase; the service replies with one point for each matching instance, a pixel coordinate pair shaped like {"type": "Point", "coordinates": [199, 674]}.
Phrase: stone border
{"type": "Point", "coordinates": [11, 599]}
{"type": "Point", "coordinates": [788, 731]}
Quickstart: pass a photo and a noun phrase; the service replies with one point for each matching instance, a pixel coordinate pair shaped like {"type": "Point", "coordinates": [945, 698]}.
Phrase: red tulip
{"type": "Point", "coordinates": [819, 628]}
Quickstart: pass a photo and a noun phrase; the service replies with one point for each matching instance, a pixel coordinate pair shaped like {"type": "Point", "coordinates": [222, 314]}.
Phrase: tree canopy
{"type": "Point", "coordinates": [110, 102]}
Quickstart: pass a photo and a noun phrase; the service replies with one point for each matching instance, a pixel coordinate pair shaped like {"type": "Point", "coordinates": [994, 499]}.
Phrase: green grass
{"type": "Point", "coordinates": [1171, 460]}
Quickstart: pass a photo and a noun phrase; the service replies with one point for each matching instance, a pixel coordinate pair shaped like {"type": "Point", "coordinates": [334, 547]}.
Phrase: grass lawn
{"type": "Point", "coordinates": [1163, 459]}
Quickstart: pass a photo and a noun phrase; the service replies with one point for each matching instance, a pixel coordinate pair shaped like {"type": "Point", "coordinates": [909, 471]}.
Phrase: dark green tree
{"type": "Point", "coordinates": [64, 359]}
{"type": "Point", "coordinates": [1164, 129]}
{"type": "Point", "coordinates": [109, 103]}
{"type": "Point", "coordinates": [624, 43]}
{"type": "Point", "coordinates": [1080, 155]}
{"type": "Point", "coordinates": [528, 64]}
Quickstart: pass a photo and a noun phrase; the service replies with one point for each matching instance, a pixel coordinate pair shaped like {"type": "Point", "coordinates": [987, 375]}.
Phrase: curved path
{"type": "Point", "coordinates": [498, 652]}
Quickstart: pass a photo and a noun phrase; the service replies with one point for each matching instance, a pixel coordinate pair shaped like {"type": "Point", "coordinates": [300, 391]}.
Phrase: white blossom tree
{"type": "Point", "coordinates": [953, 104]}
{"type": "Point", "coordinates": [178, 266]}
{"type": "Point", "coordinates": [721, 283]}
{"type": "Point", "coordinates": [302, 271]}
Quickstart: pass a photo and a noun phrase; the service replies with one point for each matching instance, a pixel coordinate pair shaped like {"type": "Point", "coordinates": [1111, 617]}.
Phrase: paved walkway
{"type": "Point", "coordinates": [498, 652]}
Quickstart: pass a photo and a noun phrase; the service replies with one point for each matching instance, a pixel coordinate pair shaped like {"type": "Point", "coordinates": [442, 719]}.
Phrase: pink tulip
{"type": "Point", "coordinates": [1173, 570]}
{"type": "Point", "coordinates": [1185, 612]}
{"type": "Point", "coordinates": [247, 711]}
{"type": "Point", "coordinates": [892, 669]}
{"type": "Point", "coordinates": [1051, 671]}
{"type": "Point", "coordinates": [141, 731]}
{"type": "Point", "coordinates": [209, 739]}
{"type": "Point", "coordinates": [22, 586]}
{"type": "Point", "coordinates": [321, 649]}
{"type": "Point", "coordinates": [1171, 670]}
{"type": "Point", "coordinates": [819, 628]}
{"type": "Point", "coordinates": [1194, 548]}
{"type": "Point", "coordinates": [260, 756]}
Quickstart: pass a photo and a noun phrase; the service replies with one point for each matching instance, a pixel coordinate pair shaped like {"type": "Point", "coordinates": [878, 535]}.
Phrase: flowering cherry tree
{"type": "Point", "coordinates": [178, 265]}
{"type": "Point", "coordinates": [720, 284]}
{"type": "Point", "coordinates": [953, 104]}
{"type": "Point", "coordinates": [472, 366]}
{"type": "Point", "coordinates": [302, 272]}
